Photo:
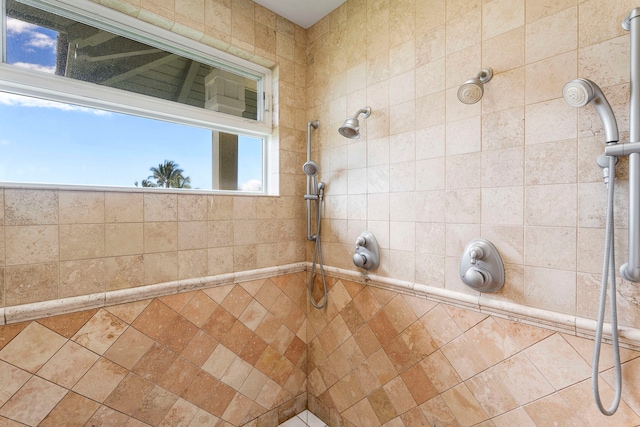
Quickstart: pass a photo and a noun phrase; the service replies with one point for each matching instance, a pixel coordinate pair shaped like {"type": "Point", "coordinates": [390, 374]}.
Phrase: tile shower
{"type": "Point", "coordinates": [427, 175]}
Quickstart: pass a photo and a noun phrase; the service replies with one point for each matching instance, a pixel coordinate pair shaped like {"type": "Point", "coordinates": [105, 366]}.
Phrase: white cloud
{"type": "Point", "coordinates": [25, 101]}
{"type": "Point", "coordinates": [15, 26]}
{"type": "Point", "coordinates": [37, 67]}
{"type": "Point", "coordinates": [36, 39]}
{"type": "Point", "coordinates": [251, 185]}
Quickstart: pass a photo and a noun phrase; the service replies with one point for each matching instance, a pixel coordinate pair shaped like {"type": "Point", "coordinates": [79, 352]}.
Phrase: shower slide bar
{"type": "Point", "coordinates": [631, 270]}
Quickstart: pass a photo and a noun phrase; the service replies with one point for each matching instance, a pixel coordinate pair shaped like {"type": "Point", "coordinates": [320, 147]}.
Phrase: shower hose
{"type": "Point", "coordinates": [317, 257]}
{"type": "Point", "coordinates": [608, 275]}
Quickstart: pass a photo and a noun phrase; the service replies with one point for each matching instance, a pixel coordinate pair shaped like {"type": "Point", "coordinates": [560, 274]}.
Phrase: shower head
{"type": "Point", "coordinates": [351, 127]}
{"type": "Point", "coordinates": [580, 92]}
{"type": "Point", "coordinates": [310, 168]}
{"type": "Point", "coordinates": [472, 90]}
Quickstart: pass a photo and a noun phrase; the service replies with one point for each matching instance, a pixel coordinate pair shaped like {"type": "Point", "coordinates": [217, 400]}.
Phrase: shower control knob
{"type": "Point", "coordinates": [360, 260]}
{"type": "Point", "coordinates": [481, 266]}
{"type": "Point", "coordinates": [477, 278]}
{"type": "Point", "coordinates": [366, 254]}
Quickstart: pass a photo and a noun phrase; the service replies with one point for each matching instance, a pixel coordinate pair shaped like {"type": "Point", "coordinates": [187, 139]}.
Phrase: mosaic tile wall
{"type": "Point", "coordinates": [382, 358]}
{"type": "Point", "coordinates": [226, 356]}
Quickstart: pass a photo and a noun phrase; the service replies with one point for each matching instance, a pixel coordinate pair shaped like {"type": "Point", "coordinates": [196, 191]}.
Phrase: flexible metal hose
{"type": "Point", "coordinates": [317, 255]}
{"type": "Point", "coordinates": [608, 275]}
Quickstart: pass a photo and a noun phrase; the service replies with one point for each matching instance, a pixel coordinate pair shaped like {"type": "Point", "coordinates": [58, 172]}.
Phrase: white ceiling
{"type": "Point", "coordinates": [302, 12]}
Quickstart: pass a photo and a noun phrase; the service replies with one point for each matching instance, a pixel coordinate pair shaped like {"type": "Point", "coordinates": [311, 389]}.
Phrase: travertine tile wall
{"type": "Point", "coordinates": [62, 243]}
{"type": "Point", "coordinates": [429, 173]}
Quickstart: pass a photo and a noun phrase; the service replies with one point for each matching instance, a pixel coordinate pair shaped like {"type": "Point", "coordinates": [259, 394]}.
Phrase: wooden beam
{"type": "Point", "coordinates": [188, 81]}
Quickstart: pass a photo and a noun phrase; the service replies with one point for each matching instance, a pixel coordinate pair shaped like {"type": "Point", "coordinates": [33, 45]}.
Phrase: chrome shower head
{"type": "Point", "coordinates": [580, 92]}
{"type": "Point", "coordinates": [472, 90]}
{"type": "Point", "coordinates": [351, 127]}
{"type": "Point", "coordinates": [310, 168]}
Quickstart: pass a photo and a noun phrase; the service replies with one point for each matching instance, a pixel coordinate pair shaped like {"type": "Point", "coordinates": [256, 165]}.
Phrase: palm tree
{"type": "Point", "coordinates": [167, 175]}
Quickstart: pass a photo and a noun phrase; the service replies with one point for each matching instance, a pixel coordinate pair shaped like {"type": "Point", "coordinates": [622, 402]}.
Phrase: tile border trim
{"type": "Point", "coordinates": [560, 322]}
{"type": "Point", "coordinates": [37, 310]}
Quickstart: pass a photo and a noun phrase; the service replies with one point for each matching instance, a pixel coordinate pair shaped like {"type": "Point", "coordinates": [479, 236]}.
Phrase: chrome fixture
{"type": "Point", "coordinates": [481, 267]}
{"type": "Point", "coordinates": [315, 192]}
{"type": "Point", "coordinates": [472, 90]}
{"type": "Point", "coordinates": [580, 92]}
{"type": "Point", "coordinates": [367, 253]}
{"type": "Point", "coordinates": [351, 127]}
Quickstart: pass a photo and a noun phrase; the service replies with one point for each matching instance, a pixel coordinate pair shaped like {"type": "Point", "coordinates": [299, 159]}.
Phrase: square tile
{"type": "Point", "coordinates": [32, 348]}
{"type": "Point", "coordinates": [11, 379]}
{"type": "Point", "coordinates": [128, 396]}
{"type": "Point", "coordinates": [178, 376]}
{"type": "Point", "coordinates": [68, 365]}
{"type": "Point", "coordinates": [155, 363]}
{"type": "Point", "coordinates": [98, 383]}
{"type": "Point", "coordinates": [100, 332]}
{"type": "Point", "coordinates": [33, 402]}
{"type": "Point", "coordinates": [73, 409]}
{"type": "Point", "coordinates": [129, 348]}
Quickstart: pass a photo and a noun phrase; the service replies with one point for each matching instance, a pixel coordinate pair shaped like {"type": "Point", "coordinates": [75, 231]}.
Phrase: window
{"type": "Point", "coordinates": [113, 93]}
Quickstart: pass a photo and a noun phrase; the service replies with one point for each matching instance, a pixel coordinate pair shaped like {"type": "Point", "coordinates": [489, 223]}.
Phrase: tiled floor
{"type": "Point", "coordinates": [304, 419]}
{"type": "Point", "coordinates": [156, 362]}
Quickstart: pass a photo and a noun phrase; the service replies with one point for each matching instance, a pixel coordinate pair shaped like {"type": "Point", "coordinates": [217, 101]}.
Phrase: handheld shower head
{"type": "Point", "coordinates": [310, 168]}
{"type": "Point", "coordinates": [472, 90]}
{"type": "Point", "coordinates": [580, 92]}
{"type": "Point", "coordinates": [351, 127]}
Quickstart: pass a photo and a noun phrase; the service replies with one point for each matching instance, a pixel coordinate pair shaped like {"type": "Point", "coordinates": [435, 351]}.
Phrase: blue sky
{"type": "Point", "coordinates": [56, 143]}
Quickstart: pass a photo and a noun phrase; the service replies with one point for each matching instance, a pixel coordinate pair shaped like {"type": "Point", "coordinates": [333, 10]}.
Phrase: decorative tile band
{"type": "Point", "coordinates": [566, 323]}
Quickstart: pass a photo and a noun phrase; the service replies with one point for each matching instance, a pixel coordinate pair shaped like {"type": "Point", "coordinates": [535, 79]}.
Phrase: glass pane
{"type": "Point", "coordinates": [51, 142]}
{"type": "Point", "coordinates": [44, 41]}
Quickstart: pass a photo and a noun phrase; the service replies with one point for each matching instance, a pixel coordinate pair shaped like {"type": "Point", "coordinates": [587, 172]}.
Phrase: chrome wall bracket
{"type": "Point", "coordinates": [481, 267]}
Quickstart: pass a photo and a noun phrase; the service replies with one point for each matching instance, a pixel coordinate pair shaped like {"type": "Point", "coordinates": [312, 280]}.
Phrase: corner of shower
{"type": "Point", "coordinates": [315, 195]}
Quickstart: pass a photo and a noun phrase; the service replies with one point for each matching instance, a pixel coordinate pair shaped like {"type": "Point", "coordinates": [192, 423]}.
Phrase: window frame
{"type": "Point", "coordinates": [22, 81]}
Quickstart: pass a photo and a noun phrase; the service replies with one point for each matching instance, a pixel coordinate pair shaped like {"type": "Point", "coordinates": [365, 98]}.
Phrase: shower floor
{"type": "Point", "coordinates": [304, 419]}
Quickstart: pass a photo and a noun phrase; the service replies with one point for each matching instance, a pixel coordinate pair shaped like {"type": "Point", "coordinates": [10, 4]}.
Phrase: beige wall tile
{"type": "Point", "coordinates": [550, 247]}
{"type": "Point", "coordinates": [30, 283]}
{"type": "Point", "coordinates": [160, 207]}
{"type": "Point", "coordinates": [124, 239]}
{"type": "Point", "coordinates": [540, 197]}
{"type": "Point", "coordinates": [500, 16]}
{"type": "Point", "coordinates": [123, 272]}
{"type": "Point", "coordinates": [31, 244]}
{"type": "Point", "coordinates": [539, 9]}
{"type": "Point", "coordinates": [192, 264]}
{"type": "Point", "coordinates": [160, 236]}
{"type": "Point", "coordinates": [598, 18]}
{"type": "Point", "coordinates": [505, 51]}
{"type": "Point", "coordinates": [81, 241]}
{"type": "Point", "coordinates": [555, 289]}
{"type": "Point", "coordinates": [123, 207]}
{"type": "Point", "coordinates": [30, 207]}
{"type": "Point", "coordinates": [557, 70]}
{"type": "Point", "coordinates": [80, 207]}
{"type": "Point", "coordinates": [549, 121]}
{"type": "Point", "coordinates": [464, 31]}
{"type": "Point", "coordinates": [502, 206]}
{"type": "Point", "coordinates": [160, 267]}
{"type": "Point", "coordinates": [552, 35]}
{"type": "Point", "coordinates": [192, 235]}
{"type": "Point", "coordinates": [81, 277]}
